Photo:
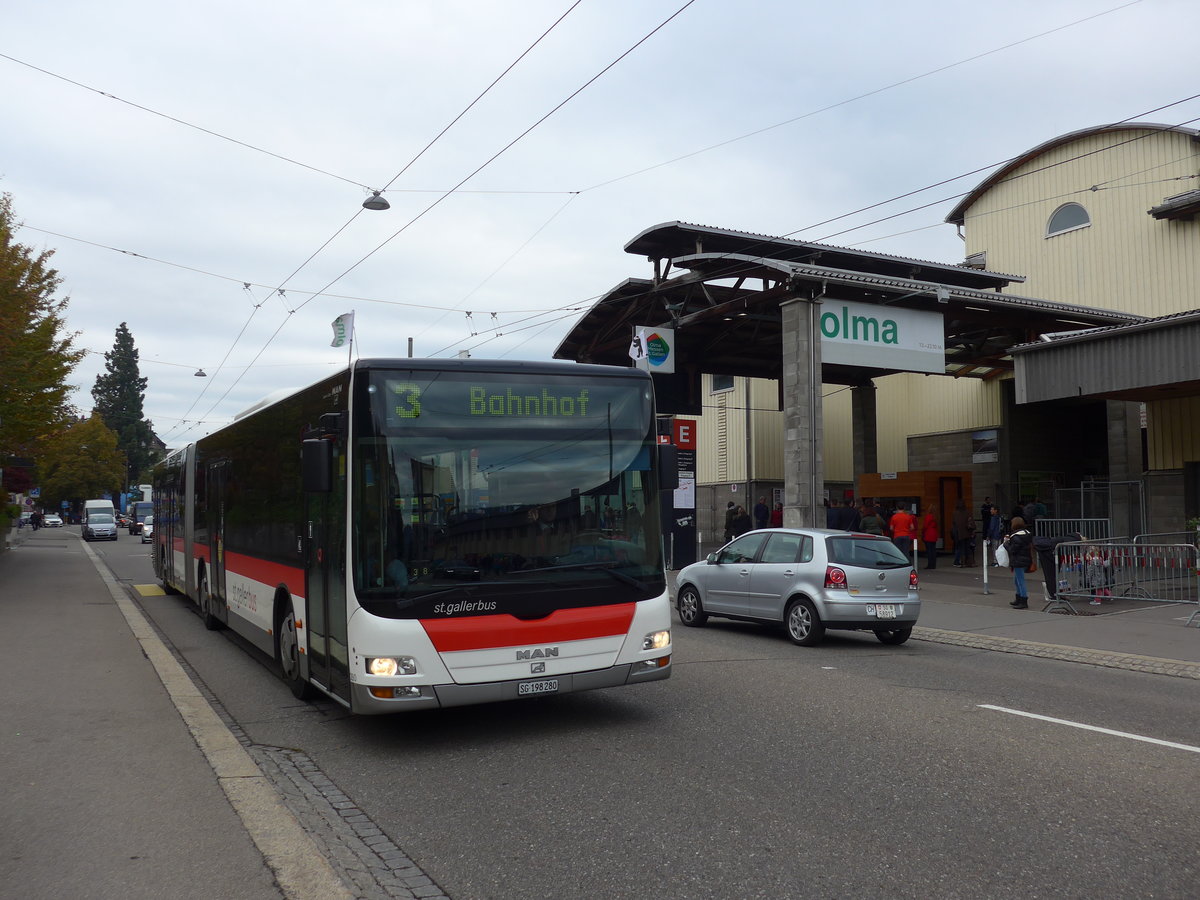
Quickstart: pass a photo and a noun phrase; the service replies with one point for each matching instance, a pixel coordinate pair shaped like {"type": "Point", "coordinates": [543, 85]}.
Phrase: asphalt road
{"type": "Point", "coordinates": [761, 769]}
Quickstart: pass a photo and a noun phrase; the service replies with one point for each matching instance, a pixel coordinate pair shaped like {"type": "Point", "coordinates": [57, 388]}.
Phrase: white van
{"type": "Point", "coordinates": [103, 506]}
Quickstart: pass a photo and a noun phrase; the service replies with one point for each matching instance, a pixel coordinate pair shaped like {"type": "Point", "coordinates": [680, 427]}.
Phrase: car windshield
{"type": "Point", "coordinates": [96, 519]}
{"type": "Point", "coordinates": [865, 552]}
{"type": "Point", "coordinates": [149, 520]}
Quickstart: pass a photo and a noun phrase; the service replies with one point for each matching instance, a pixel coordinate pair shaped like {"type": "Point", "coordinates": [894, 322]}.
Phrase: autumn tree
{"type": "Point", "coordinates": [80, 463]}
{"type": "Point", "coordinates": [37, 354]}
{"type": "Point", "coordinates": [119, 393]}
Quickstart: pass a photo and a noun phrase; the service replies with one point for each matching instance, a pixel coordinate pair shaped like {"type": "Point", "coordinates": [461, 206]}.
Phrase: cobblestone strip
{"type": "Point", "coordinates": [1112, 660]}
{"type": "Point", "coordinates": [356, 848]}
{"type": "Point", "coordinates": [365, 858]}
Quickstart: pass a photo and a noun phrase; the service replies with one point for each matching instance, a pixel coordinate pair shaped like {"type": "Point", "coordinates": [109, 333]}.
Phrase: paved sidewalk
{"type": "Point", "coordinates": [119, 779]}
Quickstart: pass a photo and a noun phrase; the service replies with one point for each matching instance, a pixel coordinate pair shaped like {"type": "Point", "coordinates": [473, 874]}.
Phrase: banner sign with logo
{"type": "Point", "coordinates": [883, 337]}
{"type": "Point", "coordinates": [653, 349]}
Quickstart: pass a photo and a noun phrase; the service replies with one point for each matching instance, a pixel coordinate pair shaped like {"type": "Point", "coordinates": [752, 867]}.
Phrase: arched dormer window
{"type": "Point", "coordinates": [1068, 217]}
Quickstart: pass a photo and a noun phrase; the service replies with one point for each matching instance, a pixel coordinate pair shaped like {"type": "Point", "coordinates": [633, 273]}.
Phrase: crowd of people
{"type": "Point", "coordinates": [1013, 532]}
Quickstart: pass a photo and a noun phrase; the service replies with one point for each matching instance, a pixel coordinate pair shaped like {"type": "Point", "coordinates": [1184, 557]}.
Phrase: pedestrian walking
{"type": "Point", "coordinates": [762, 513]}
{"type": "Point", "coordinates": [930, 535]}
{"type": "Point", "coordinates": [872, 522]}
{"type": "Point", "coordinates": [958, 531]}
{"type": "Point", "coordinates": [1019, 544]}
{"type": "Point", "coordinates": [903, 526]}
{"type": "Point", "coordinates": [741, 522]}
{"type": "Point", "coordinates": [992, 537]}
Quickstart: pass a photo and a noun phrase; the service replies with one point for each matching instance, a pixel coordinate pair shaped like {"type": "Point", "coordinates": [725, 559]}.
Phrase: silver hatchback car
{"type": "Point", "coordinates": [809, 579]}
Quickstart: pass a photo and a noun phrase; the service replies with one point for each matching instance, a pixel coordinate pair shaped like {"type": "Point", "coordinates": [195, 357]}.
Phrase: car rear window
{"type": "Point", "coordinates": [865, 552]}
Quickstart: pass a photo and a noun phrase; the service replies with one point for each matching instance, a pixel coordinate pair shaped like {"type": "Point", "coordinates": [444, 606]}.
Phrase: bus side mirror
{"type": "Point", "coordinates": [668, 467]}
{"type": "Point", "coordinates": [316, 466]}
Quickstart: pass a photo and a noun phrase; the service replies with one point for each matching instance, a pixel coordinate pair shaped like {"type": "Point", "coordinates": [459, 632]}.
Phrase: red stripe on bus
{"type": "Point", "coordinates": [503, 630]}
{"type": "Point", "coordinates": [265, 572]}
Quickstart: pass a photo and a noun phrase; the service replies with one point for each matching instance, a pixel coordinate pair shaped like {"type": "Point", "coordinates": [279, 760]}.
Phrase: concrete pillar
{"type": "Point", "coordinates": [803, 432]}
{"type": "Point", "coordinates": [865, 428]}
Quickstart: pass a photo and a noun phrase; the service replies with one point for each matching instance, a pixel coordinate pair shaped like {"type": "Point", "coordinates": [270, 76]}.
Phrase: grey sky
{"type": "Point", "coordinates": [845, 105]}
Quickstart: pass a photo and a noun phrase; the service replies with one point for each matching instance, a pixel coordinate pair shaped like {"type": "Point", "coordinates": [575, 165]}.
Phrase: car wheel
{"type": "Point", "coordinates": [211, 622]}
{"type": "Point", "coordinates": [894, 636]}
{"type": "Point", "coordinates": [691, 610]}
{"type": "Point", "coordinates": [287, 651]}
{"type": "Point", "coordinates": [803, 624]}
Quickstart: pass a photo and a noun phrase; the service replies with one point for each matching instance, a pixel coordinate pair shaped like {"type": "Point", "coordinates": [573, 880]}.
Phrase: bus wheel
{"type": "Point", "coordinates": [211, 622]}
{"type": "Point", "coordinates": [287, 651]}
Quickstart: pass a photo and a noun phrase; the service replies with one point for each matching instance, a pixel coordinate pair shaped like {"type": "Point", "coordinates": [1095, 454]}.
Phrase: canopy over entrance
{"type": "Point", "coordinates": [721, 290]}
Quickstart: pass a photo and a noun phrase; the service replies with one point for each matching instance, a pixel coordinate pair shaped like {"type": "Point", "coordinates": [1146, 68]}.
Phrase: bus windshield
{"type": "Point", "coordinates": [479, 493]}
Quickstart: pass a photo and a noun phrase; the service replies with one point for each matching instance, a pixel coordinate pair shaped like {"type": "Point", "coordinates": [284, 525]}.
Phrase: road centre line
{"type": "Point", "coordinates": [1121, 734]}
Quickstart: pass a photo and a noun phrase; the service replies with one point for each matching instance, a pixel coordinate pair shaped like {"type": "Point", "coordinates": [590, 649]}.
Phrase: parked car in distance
{"type": "Point", "coordinates": [100, 527]}
{"type": "Point", "coordinates": [807, 579]}
{"type": "Point", "coordinates": [52, 520]}
{"type": "Point", "coordinates": [147, 529]}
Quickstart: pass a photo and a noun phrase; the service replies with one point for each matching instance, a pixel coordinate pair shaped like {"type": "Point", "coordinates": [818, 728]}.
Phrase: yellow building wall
{"type": "Point", "coordinates": [928, 404]}
{"type": "Point", "coordinates": [1125, 259]}
{"type": "Point", "coordinates": [1172, 435]}
{"type": "Point", "coordinates": [750, 408]}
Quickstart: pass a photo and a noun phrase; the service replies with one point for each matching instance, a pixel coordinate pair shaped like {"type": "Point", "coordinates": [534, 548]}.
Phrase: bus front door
{"type": "Point", "coordinates": [325, 577]}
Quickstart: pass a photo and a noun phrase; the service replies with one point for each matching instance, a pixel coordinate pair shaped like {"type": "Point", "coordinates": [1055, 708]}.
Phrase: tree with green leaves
{"type": "Point", "coordinates": [119, 393]}
{"type": "Point", "coordinates": [80, 463]}
{"type": "Point", "coordinates": [37, 354]}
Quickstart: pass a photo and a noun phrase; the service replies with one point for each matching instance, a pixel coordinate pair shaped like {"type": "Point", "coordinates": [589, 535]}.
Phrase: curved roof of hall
{"type": "Point", "coordinates": [959, 213]}
{"type": "Point", "coordinates": [672, 240]}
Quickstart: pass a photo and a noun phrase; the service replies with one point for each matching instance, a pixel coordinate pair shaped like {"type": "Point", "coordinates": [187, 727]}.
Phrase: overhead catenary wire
{"type": "Point", "coordinates": [471, 175]}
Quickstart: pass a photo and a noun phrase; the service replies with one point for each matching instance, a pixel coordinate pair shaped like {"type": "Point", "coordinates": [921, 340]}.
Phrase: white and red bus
{"type": "Point", "coordinates": [422, 533]}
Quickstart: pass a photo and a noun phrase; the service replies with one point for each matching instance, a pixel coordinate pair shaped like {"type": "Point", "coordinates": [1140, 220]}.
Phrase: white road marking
{"type": "Point", "coordinates": [1121, 734]}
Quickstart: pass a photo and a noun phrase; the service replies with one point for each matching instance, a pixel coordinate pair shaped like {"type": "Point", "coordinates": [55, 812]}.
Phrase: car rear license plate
{"type": "Point", "coordinates": [546, 686]}
{"type": "Point", "coordinates": [885, 610]}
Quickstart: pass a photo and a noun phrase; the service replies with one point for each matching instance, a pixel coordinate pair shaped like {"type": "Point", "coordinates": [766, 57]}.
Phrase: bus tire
{"type": "Point", "coordinates": [161, 571]}
{"type": "Point", "coordinates": [287, 653]}
{"type": "Point", "coordinates": [211, 622]}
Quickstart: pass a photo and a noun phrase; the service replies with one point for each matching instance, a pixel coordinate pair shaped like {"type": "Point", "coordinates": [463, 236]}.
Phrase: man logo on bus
{"type": "Point", "coordinates": [537, 654]}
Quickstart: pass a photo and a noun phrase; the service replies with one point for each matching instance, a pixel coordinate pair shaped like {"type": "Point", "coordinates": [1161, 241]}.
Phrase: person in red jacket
{"type": "Point", "coordinates": [903, 526]}
{"type": "Point", "coordinates": [929, 534]}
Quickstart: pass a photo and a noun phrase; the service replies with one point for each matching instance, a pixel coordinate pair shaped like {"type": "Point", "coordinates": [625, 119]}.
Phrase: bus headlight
{"type": "Point", "coordinates": [391, 665]}
{"type": "Point", "coordinates": [656, 640]}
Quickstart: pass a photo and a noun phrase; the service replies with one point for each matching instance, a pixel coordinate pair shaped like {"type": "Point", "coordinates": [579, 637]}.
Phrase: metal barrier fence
{"type": "Point", "coordinates": [1092, 529]}
{"type": "Point", "coordinates": [1091, 572]}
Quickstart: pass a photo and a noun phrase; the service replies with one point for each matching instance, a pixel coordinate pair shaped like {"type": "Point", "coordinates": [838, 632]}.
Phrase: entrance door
{"type": "Point", "coordinates": [325, 586]}
{"type": "Point", "coordinates": [218, 472]}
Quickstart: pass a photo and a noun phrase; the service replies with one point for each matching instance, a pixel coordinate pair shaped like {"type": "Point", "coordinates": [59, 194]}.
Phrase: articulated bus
{"type": "Point", "coordinates": [412, 533]}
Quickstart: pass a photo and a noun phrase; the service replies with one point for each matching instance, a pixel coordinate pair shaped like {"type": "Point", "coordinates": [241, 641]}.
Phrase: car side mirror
{"type": "Point", "coordinates": [712, 559]}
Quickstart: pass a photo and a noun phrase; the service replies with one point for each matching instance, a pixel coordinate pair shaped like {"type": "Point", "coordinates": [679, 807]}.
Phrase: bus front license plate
{"type": "Point", "coordinates": [547, 686]}
{"type": "Point", "coordinates": [885, 611]}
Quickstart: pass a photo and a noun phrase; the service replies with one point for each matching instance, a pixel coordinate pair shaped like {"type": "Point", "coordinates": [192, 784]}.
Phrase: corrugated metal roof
{"type": "Point", "coordinates": [669, 240]}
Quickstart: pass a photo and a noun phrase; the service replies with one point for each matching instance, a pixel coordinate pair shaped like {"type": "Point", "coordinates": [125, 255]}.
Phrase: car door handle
{"type": "Point", "coordinates": [789, 573]}
{"type": "Point", "coordinates": [744, 572]}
